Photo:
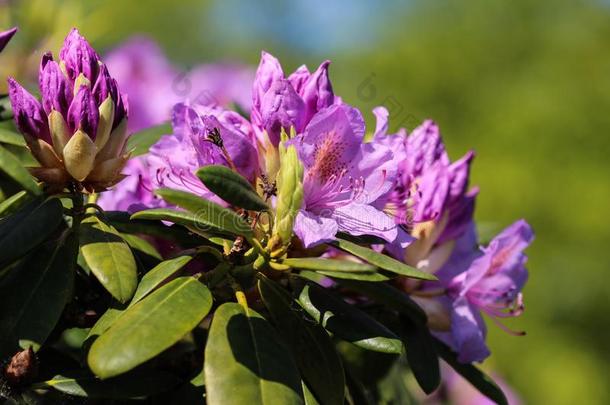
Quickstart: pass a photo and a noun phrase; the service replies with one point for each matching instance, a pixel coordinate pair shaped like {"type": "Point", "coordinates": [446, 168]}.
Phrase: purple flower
{"type": "Point", "coordinates": [6, 36]}
{"type": "Point", "coordinates": [430, 196]}
{"type": "Point", "coordinates": [174, 159]}
{"type": "Point", "coordinates": [486, 281]}
{"type": "Point", "coordinates": [154, 85]}
{"type": "Point", "coordinates": [343, 178]}
{"type": "Point", "coordinates": [279, 102]}
{"type": "Point", "coordinates": [78, 132]}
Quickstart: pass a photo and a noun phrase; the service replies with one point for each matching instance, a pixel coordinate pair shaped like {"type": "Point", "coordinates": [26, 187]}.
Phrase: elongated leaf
{"type": "Point", "coordinates": [308, 396]}
{"type": "Point", "coordinates": [11, 138]}
{"type": "Point", "coordinates": [28, 227]}
{"type": "Point", "coordinates": [207, 213]}
{"type": "Point", "coordinates": [346, 321]}
{"type": "Point", "coordinates": [361, 276]}
{"type": "Point", "coordinates": [141, 245]}
{"type": "Point", "coordinates": [35, 293]}
{"type": "Point", "coordinates": [14, 169]}
{"type": "Point", "coordinates": [384, 293]}
{"type": "Point", "coordinates": [315, 264]}
{"type": "Point", "coordinates": [140, 142]}
{"type": "Point", "coordinates": [231, 187]}
{"type": "Point", "coordinates": [150, 326]}
{"type": "Point", "coordinates": [12, 203]}
{"type": "Point", "coordinates": [108, 257]}
{"type": "Point", "coordinates": [382, 261]}
{"type": "Point", "coordinates": [157, 275]}
{"type": "Point", "coordinates": [122, 222]}
{"type": "Point", "coordinates": [105, 321]}
{"type": "Point", "coordinates": [312, 348]}
{"type": "Point", "coordinates": [133, 385]}
{"type": "Point", "coordinates": [421, 354]}
{"type": "Point", "coordinates": [476, 377]}
{"type": "Point", "coordinates": [245, 363]}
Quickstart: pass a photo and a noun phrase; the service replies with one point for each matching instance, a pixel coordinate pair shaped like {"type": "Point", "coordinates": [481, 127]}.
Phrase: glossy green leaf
{"type": "Point", "coordinates": [109, 257]}
{"type": "Point", "coordinates": [361, 276]}
{"type": "Point", "coordinates": [231, 187]}
{"type": "Point", "coordinates": [315, 263]}
{"type": "Point", "coordinates": [421, 354]}
{"type": "Point", "coordinates": [150, 326]}
{"type": "Point", "coordinates": [13, 168]}
{"type": "Point", "coordinates": [28, 227]}
{"type": "Point", "coordinates": [12, 203]}
{"type": "Point", "coordinates": [35, 293]}
{"type": "Point", "coordinates": [141, 245]}
{"type": "Point", "coordinates": [245, 363]}
{"type": "Point", "coordinates": [133, 385]}
{"type": "Point", "coordinates": [158, 275]}
{"type": "Point", "coordinates": [105, 321]}
{"type": "Point", "coordinates": [140, 142]}
{"type": "Point", "coordinates": [390, 296]}
{"type": "Point", "coordinates": [312, 348]}
{"type": "Point", "coordinates": [346, 321]}
{"type": "Point", "coordinates": [382, 261]}
{"type": "Point", "coordinates": [308, 396]}
{"type": "Point", "coordinates": [476, 377]}
{"type": "Point", "coordinates": [344, 269]}
{"type": "Point", "coordinates": [11, 138]}
{"type": "Point", "coordinates": [207, 214]}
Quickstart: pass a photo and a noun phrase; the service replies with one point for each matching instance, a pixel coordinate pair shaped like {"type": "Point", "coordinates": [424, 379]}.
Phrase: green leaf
{"type": "Point", "coordinates": [231, 187]}
{"type": "Point", "coordinates": [158, 275]}
{"type": "Point", "coordinates": [421, 354]}
{"type": "Point", "coordinates": [390, 296]}
{"type": "Point", "coordinates": [245, 363]}
{"type": "Point", "coordinates": [35, 293]}
{"type": "Point", "coordinates": [369, 277]}
{"type": "Point", "coordinates": [141, 141]}
{"type": "Point", "coordinates": [382, 261]}
{"type": "Point", "coordinates": [311, 346]}
{"type": "Point", "coordinates": [12, 203]}
{"type": "Point", "coordinates": [133, 385]}
{"type": "Point", "coordinates": [346, 321]}
{"type": "Point", "coordinates": [150, 326]}
{"type": "Point", "coordinates": [28, 227]}
{"type": "Point", "coordinates": [141, 245]}
{"type": "Point", "coordinates": [11, 138]}
{"type": "Point", "coordinates": [105, 321]}
{"type": "Point", "coordinates": [315, 264]}
{"type": "Point", "coordinates": [108, 257]}
{"type": "Point", "coordinates": [207, 215]}
{"type": "Point", "coordinates": [14, 169]}
{"type": "Point", "coordinates": [476, 377]}
{"type": "Point", "coordinates": [308, 396]}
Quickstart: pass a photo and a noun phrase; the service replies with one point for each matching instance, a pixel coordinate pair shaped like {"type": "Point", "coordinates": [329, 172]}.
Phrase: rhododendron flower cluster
{"type": "Point", "coordinates": [401, 188]}
{"type": "Point", "coordinates": [287, 209]}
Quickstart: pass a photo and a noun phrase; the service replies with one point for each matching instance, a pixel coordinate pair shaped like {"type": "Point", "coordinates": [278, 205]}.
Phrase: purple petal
{"type": "Point", "coordinates": [134, 193]}
{"type": "Point", "coordinates": [381, 125]}
{"type": "Point", "coordinates": [298, 78]}
{"type": "Point", "coordinates": [317, 92]}
{"type": "Point", "coordinates": [425, 148]}
{"type": "Point", "coordinates": [5, 37]}
{"type": "Point", "coordinates": [55, 89]}
{"type": "Point", "coordinates": [361, 219]}
{"type": "Point", "coordinates": [79, 57]}
{"type": "Point", "coordinates": [468, 331]}
{"type": "Point", "coordinates": [83, 113]}
{"type": "Point", "coordinates": [28, 114]}
{"type": "Point", "coordinates": [331, 140]}
{"type": "Point", "coordinates": [432, 192]}
{"type": "Point", "coordinates": [281, 107]}
{"type": "Point", "coordinates": [313, 230]}
{"type": "Point", "coordinates": [376, 167]}
{"type": "Point", "coordinates": [269, 70]}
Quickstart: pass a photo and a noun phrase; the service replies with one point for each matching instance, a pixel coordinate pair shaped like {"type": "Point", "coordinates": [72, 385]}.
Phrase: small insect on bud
{"type": "Point", "coordinates": [215, 138]}
{"type": "Point", "coordinates": [22, 368]}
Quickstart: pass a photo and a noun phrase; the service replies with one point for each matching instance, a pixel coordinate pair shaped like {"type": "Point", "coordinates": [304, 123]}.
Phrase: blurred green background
{"type": "Point", "coordinates": [524, 83]}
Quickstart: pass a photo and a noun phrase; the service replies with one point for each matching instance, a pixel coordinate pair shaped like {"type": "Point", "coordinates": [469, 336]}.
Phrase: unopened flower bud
{"type": "Point", "coordinates": [290, 192]}
{"type": "Point", "coordinates": [60, 134]}
{"type": "Point", "coordinates": [79, 155]}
